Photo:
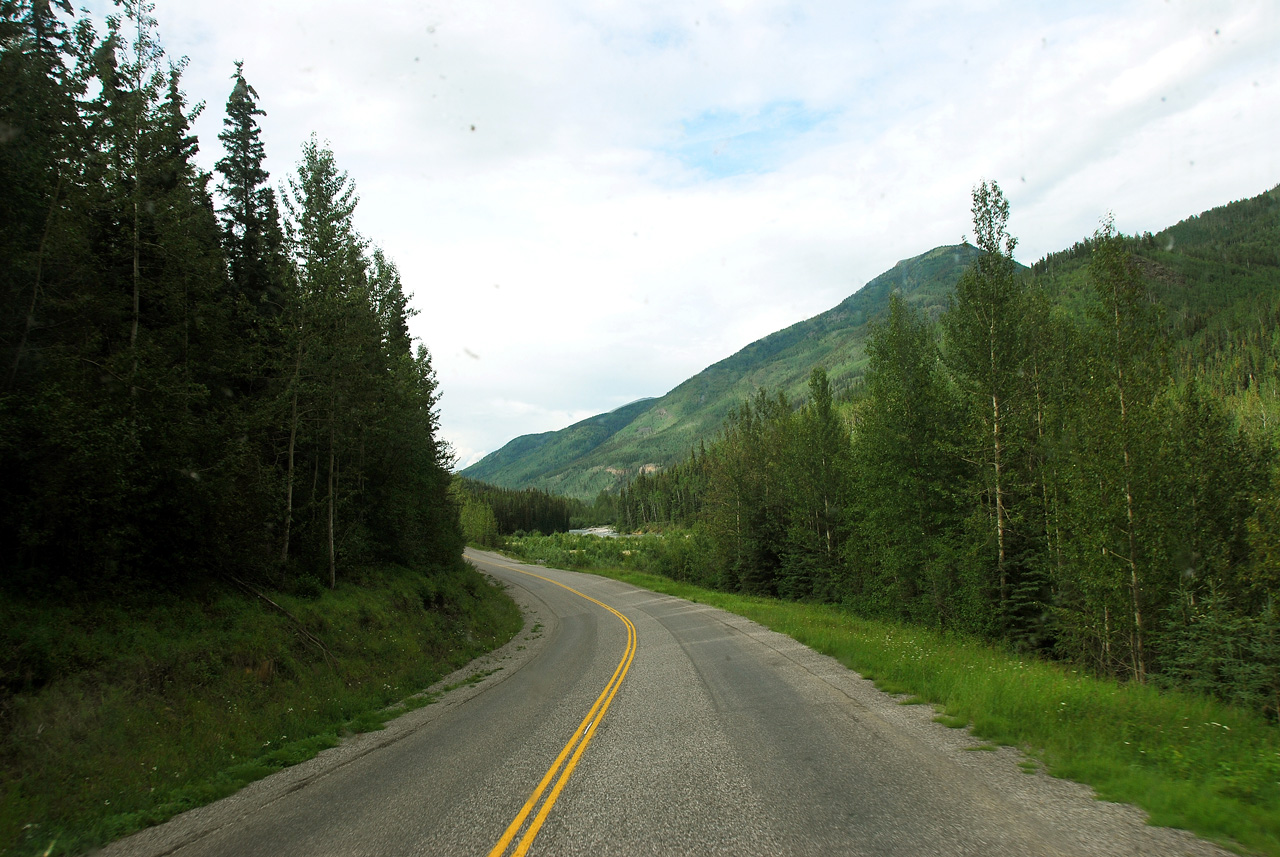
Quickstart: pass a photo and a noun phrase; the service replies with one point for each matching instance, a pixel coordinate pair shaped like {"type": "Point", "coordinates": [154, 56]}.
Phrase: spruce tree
{"type": "Point", "coordinates": [906, 508]}
{"type": "Point", "coordinates": [817, 476]}
{"type": "Point", "coordinates": [40, 130]}
{"type": "Point", "coordinates": [250, 217]}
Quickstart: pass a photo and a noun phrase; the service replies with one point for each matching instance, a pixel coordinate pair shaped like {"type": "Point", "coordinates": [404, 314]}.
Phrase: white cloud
{"type": "Point", "coordinates": [573, 253]}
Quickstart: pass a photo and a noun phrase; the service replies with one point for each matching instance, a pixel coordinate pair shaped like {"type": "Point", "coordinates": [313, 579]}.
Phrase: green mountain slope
{"type": "Point", "coordinates": [530, 458]}
{"type": "Point", "coordinates": [1217, 275]}
{"type": "Point", "coordinates": [604, 451]}
{"type": "Point", "coordinates": [1217, 278]}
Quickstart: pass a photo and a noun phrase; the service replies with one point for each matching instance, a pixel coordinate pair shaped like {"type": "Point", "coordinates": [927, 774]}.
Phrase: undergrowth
{"type": "Point", "coordinates": [118, 715]}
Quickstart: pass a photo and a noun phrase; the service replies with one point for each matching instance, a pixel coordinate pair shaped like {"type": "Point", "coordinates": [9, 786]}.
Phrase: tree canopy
{"type": "Point", "coordinates": [193, 385]}
{"type": "Point", "coordinates": [1074, 460]}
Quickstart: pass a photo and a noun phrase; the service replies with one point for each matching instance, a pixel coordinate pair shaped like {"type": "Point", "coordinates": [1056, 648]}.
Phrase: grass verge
{"type": "Point", "coordinates": [1189, 761]}
{"type": "Point", "coordinates": [114, 717]}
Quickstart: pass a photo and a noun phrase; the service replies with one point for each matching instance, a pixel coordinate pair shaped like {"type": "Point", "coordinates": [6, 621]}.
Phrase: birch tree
{"type": "Point", "coordinates": [1129, 371]}
{"type": "Point", "coordinates": [987, 351]}
{"type": "Point", "coordinates": [334, 319]}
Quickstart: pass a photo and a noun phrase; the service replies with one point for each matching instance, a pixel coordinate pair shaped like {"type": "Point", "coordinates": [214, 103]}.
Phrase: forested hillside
{"type": "Point", "coordinates": [1080, 461]}
{"type": "Point", "coordinates": [603, 452]}
{"type": "Point", "coordinates": [1210, 272]}
{"type": "Point", "coordinates": [197, 376]}
{"type": "Point", "coordinates": [529, 459]}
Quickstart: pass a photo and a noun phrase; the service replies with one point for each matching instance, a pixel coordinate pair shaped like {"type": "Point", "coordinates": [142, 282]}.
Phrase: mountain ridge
{"type": "Point", "coordinates": [1216, 274]}
{"type": "Point", "coordinates": [603, 451]}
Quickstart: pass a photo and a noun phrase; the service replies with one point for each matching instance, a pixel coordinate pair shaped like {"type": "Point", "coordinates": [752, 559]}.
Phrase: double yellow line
{"type": "Point", "coordinates": [572, 752]}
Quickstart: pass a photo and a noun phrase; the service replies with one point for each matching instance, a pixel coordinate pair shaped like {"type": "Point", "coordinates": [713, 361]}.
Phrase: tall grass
{"type": "Point", "coordinates": [1189, 761]}
{"type": "Point", "coordinates": [115, 717]}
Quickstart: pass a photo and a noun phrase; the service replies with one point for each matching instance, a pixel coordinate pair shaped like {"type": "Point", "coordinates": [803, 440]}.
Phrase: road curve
{"type": "Point", "coordinates": [720, 737]}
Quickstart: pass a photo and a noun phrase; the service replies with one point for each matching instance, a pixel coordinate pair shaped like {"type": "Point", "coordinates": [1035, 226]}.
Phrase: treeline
{"type": "Point", "coordinates": [490, 512]}
{"type": "Point", "coordinates": [194, 381]}
{"type": "Point", "coordinates": [1017, 471]}
{"type": "Point", "coordinates": [670, 496]}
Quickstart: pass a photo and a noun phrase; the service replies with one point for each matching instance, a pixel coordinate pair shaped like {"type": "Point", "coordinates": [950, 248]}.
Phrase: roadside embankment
{"type": "Point", "coordinates": [117, 714]}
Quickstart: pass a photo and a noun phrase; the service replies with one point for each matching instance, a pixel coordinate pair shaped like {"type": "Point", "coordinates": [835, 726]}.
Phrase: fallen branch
{"type": "Point", "coordinates": [306, 635]}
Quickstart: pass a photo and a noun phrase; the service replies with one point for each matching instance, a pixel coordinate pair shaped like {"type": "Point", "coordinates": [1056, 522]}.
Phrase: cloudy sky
{"type": "Point", "coordinates": [592, 201]}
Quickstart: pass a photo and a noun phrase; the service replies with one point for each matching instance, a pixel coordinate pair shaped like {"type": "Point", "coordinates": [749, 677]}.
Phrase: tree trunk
{"type": "Point", "coordinates": [999, 475]}
{"type": "Point", "coordinates": [293, 445]}
{"type": "Point", "coordinates": [137, 219]}
{"type": "Point", "coordinates": [1135, 588]}
{"type": "Point", "coordinates": [35, 288]}
{"type": "Point", "coordinates": [137, 297]}
{"type": "Point", "coordinates": [1000, 515]}
{"type": "Point", "coordinates": [333, 579]}
{"type": "Point", "coordinates": [288, 482]}
{"type": "Point", "coordinates": [1106, 639]}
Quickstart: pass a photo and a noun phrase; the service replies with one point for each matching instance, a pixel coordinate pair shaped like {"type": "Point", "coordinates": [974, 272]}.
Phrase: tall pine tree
{"type": "Point", "coordinates": [250, 216]}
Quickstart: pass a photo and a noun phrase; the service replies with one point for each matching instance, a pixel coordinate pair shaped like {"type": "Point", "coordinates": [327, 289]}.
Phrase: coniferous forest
{"type": "Point", "coordinates": [489, 512]}
{"type": "Point", "coordinates": [1077, 459]}
{"type": "Point", "coordinates": [199, 375]}
{"type": "Point", "coordinates": [225, 516]}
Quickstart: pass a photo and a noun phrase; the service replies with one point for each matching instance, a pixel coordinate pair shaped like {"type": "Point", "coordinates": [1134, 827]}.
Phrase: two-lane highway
{"type": "Point", "coordinates": [625, 722]}
{"type": "Point", "coordinates": [524, 828]}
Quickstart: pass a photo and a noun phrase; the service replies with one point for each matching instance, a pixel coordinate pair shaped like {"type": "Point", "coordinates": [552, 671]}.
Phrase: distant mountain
{"type": "Point", "coordinates": [1216, 274]}
{"type": "Point", "coordinates": [531, 458]}
{"type": "Point", "coordinates": [602, 452]}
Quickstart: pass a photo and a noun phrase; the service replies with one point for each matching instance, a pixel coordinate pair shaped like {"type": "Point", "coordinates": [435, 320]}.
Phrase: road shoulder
{"type": "Point", "coordinates": [450, 692]}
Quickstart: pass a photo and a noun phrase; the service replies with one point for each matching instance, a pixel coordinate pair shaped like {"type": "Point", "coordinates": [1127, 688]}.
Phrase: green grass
{"type": "Point", "coordinates": [115, 717]}
{"type": "Point", "coordinates": [1189, 761]}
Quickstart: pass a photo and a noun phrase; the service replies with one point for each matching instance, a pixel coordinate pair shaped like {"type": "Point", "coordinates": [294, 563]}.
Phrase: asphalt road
{"type": "Point", "coordinates": [698, 732]}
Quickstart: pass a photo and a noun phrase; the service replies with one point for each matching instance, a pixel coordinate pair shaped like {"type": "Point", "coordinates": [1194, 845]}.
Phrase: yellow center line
{"type": "Point", "coordinates": [577, 744]}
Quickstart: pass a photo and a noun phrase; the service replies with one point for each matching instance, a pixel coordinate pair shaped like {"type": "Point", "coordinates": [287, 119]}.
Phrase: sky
{"type": "Point", "coordinates": [593, 201]}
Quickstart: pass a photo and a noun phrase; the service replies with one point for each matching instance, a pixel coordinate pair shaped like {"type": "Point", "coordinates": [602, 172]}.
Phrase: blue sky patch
{"type": "Point", "coordinates": [667, 38]}
{"type": "Point", "coordinates": [723, 143]}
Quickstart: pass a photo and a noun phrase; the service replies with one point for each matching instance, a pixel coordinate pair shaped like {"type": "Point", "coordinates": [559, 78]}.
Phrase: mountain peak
{"type": "Point", "coordinates": [604, 451]}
